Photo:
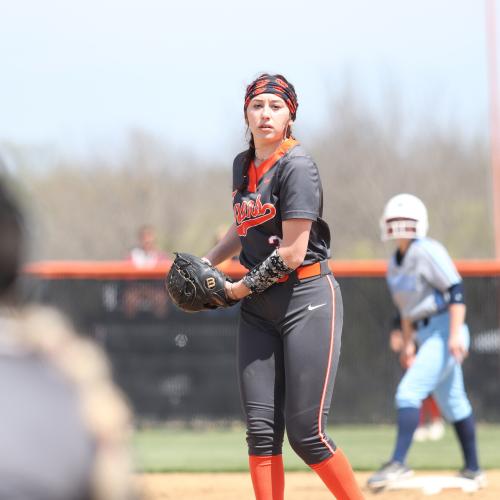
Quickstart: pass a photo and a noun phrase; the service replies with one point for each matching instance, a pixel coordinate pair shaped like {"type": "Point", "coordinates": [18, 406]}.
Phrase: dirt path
{"type": "Point", "coordinates": [299, 486]}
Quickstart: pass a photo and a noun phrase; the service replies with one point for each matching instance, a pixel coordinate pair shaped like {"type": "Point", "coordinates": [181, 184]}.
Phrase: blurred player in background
{"type": "Point", "coordinates": [291, 311]}
{"type": "Point", "coordinates": [64, 427]}
{"type": "Point", "coordinates": [431, 424]}
{"type": "Point", "coordinates": [145, 297]}
{"type": "Point", "coordinates": [146, 253]}
{"type": "Point", "coordinates": [428, 292]}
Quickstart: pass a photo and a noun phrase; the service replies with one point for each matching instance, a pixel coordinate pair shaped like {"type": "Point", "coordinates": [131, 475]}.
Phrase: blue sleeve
{"type": "Point", "coordinates": [457, 293]}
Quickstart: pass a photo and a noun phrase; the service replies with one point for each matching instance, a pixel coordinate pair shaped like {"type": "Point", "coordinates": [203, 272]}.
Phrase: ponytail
{"type": "Point", "coordinates": [250, 154]}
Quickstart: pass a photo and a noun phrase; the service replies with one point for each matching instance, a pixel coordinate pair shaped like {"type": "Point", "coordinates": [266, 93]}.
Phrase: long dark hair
{"type": "Point", "coordinates": [250, 153]}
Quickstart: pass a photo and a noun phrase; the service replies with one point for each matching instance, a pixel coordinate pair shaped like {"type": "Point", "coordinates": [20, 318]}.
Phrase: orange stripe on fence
{"type": "Point", "coordinates": [127, 270]}
{"type": "Point", "coordinates": [478, 267]}
{"type": "Point", "coordinates": [94, 270]}
{"type": "Point", "coordinates": [111, 270]}
{"type": "Point", "coordinates": [377, 268]}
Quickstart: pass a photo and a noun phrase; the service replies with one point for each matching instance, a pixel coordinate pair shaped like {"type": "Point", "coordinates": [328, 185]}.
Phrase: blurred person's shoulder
{"type": "Point", "coordinates": [47, 451]}
{"type": "Point", "coordinates": [62, 419]}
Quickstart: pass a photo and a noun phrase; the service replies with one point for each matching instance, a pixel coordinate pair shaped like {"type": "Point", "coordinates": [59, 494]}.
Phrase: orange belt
{"type": "Point", "coordinates": [304, 272]}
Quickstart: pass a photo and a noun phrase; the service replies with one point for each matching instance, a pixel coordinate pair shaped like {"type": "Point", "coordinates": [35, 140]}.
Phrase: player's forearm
{"type": "Point", "coordinates": [228, 246]}
{"type": "Point", "coordinates": [293, 256]}
{"type": "Point", "coordinates": [288, 257]}
{"type": "Point", "coordinates": [407, 331]}
{"type": "Point", "coordinates": [457, 318]}
{"type": "Point", "coordinates": [407, 352]}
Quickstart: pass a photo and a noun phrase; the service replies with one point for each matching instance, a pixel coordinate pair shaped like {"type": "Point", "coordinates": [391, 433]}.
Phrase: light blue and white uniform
{"type": "Point", "coordinates": [423, 284]}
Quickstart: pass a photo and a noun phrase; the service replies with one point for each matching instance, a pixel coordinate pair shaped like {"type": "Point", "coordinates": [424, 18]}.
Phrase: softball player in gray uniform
{"type": "Point", "coordinates": [291, 314]}
{"type": "Point", "coordinates": [428, 293]}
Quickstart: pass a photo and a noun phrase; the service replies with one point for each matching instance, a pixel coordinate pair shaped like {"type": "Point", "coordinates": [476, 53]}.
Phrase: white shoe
{"type": "Point", "coordinates": [421, 434]}
{"type": "Point", "coordinates": [389, 472]}
{"type": "Point", "coordinates": [435, 430]}
{"type": "Point", "coordinates": [477, 476]}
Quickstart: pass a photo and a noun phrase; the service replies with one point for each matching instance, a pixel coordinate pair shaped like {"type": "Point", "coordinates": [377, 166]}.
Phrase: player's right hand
{"type": "Point", "coordinates": [407, 355]}
{"type": "Point", "coordinates": [396, 340]}
{"type": "Point", "coordinates": [457, 348]}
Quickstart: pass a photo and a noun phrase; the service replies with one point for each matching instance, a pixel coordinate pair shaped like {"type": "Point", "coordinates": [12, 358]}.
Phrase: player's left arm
{"type": "Point", "coordinates": [456, 344]}
{"type": "Point", "coordinates": [441, 273]}
{"type": "Point", "coordinates": [292, 251]}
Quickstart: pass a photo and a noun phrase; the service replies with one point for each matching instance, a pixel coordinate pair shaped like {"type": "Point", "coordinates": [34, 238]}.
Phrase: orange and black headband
{"type": "Point", "coordinates": [269, 84]}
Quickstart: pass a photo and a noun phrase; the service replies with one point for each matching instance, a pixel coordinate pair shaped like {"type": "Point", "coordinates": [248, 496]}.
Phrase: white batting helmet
{"type": "Point", "coordinates": [404, 217]}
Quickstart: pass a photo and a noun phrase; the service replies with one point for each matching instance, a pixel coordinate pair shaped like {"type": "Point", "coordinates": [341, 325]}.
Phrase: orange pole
{"type": "Point", "coordinates": [494, 118]}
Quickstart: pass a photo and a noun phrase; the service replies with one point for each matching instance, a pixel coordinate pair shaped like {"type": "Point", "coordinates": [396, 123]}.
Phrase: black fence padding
{"type": "Point", "coordinates": [179, 366]}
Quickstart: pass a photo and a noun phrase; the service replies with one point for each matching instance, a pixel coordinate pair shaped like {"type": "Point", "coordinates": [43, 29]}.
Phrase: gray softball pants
{"type": "Point", "coordinates": [288, 352]}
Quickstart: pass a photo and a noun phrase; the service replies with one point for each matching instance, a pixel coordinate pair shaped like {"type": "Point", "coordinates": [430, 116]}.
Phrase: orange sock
{"type": "Point", "coordinates": [434, 409]}
{"type": "Point", "coordinates": [422, 418]}
{"type": "Point", "coordinates": [336, 472]}
{"type": "Point", "coordinates": [268, 477]}
{"type": "Point", "coordinates": [429, 410]}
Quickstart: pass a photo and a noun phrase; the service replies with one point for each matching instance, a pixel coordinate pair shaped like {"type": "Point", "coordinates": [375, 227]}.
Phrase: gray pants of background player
{"type": "Point", "coordinates": [288, 352]}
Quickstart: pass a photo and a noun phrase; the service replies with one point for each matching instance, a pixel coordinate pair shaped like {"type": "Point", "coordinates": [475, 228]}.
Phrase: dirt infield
{"type": "Point", "coordinates": [299, 486]}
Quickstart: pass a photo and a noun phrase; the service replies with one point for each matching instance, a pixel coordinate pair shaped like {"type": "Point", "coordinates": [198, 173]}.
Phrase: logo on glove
{"type": "Point", "coordinates": [195, 285]}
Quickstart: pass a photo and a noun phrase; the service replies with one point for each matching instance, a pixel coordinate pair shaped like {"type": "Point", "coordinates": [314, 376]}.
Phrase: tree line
{"type": "Point", "coordinates": [92, 208]}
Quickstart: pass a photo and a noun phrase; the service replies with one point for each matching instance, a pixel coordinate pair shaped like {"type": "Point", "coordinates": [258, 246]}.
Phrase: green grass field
{"type": "Point", "coordinates": [224, 450]}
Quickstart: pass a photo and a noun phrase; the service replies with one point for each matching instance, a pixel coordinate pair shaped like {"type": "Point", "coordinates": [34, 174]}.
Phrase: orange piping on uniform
{"type": "Point", "coordinates": [265, 166]}
{"type": "Point", "coordinates": [325, 385]}
{"type": "Point", "coordinates": [256, 173]}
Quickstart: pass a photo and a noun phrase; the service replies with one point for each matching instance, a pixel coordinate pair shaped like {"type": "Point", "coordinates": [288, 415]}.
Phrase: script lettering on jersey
{"type": "Point", "coordinates": [252, 213]}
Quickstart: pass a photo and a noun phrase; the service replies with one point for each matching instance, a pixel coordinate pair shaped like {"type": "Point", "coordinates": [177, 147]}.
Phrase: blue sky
{"type": "Point", "coordinates": [80, 74]}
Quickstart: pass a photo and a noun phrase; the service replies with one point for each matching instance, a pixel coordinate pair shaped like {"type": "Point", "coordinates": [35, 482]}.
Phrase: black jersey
{"type": "Point", "coordinates": [285, 186]}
